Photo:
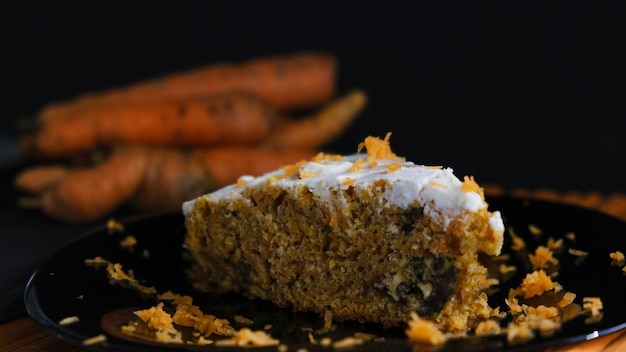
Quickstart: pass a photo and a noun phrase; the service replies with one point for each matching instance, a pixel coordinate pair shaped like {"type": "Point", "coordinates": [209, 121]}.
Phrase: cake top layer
{"type": "Point", "coordinates": [442, 195]}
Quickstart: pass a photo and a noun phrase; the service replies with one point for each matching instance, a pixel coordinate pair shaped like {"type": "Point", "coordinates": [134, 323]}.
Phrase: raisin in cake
{"type": "Point", "coordinates": [370, 237]}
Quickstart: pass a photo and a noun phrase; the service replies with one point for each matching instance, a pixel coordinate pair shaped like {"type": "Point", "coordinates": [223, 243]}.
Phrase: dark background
{"type": "Point", "coordinates": [527, 94]}
{"type": "Point", "coordinates": [517, 93]}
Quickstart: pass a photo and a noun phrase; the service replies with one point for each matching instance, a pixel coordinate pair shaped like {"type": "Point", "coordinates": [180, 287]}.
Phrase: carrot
{"type": "Point", "coordinates": [227, 118]}
{"type": "Point", "coordinates": [287, 82]}
{"type": "Point", "coordinates": [88, 194]}
{"type": "Point", "coordinates": [171, 177]}
{"type": "Point", "coordinates": [174, 176]}
{"type": "Point", "coordinates": [145, 178]}
{"type": "Point", "coordinates": [226, 164]}
{"type": "Point", "coordinates": [37, 179]}
{"type": "Point", "coordinates": [314, 131]}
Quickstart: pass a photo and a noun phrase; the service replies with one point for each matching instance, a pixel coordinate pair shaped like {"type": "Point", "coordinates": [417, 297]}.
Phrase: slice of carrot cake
{"type": "Point", "coordinates": [369, 237]}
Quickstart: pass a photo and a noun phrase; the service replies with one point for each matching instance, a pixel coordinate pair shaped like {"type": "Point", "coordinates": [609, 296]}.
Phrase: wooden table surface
{"type": "Point", "coordinates": [24, 334]}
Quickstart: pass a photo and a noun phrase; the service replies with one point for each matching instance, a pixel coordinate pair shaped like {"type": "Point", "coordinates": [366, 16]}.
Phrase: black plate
{"type": "Point", "coordinates": [64, 286]}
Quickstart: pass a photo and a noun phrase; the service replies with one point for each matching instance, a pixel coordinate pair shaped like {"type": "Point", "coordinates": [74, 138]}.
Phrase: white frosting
{"type": "Point", "coordinates": [438, 190]}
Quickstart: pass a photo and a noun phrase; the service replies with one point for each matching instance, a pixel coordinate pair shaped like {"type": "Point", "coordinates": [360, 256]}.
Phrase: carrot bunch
{"type": "Point", "coordinates": [163, 141]}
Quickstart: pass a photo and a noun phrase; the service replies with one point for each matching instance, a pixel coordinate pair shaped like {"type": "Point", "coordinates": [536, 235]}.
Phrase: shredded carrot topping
{"type": "Point", "coordinates": [437, 184]}
{"type": "Point", "coordinates": [240, 183]}
{"type": "Point", "coordinates": [307, 174]}
{"type": "Point", "coordinates": [378, 148]}
{"type": "Point", "coordinates": [348, 182]}
{"type": "Point", "coordinates": [357, 166]}
{"type": "Point", "coordinates": [470, 185]}
{"type": "Point", "coordinates": [293, 169]}
{"type": "Point", "coordinates": [394, 167]}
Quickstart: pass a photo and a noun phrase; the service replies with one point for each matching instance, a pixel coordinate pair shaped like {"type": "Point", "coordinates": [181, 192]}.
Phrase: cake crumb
{"type": "Point", "coordinates": [593, 305]}
{"type": "Point", "coordinates": [535, 283]}
{"type": "Point", "coordinates": [328, 323]}
{"type": "Point", "coordinates": [175, 298]}
{"type": "Point", "coordinates": [567, 299]}
{"type": "Point", "coordinates": [425, 331]}
{"type": "Point", "coordinates": [517, 243]}
{"type": "Point", "coordinates": [243, 320]}
{"type": "Point", "coordinates": [164, 336]}
{"type": "Point", "coordinates": [156, 318]}
{"type": "Point", "coordinates": [94, 340]}
{"type": "Point", "coordinates": [97, 262]}
{"type": "Point", "coordinates": [580, 255]}
{"type": "Point", "coordinates": [248, 337]}
{"type": "Point", "coordinates": [117, 275]}
{"type": "Point", "coordinates": [507, 269]}
{"type": "Point", "coordinates": [203, 341]}
{"type": "Point", "coordinates": [542, 258]}
{"type": "Point", "coordinates": [129, 242]}
{"type": "Point", "coordinates": [69, 320]}
{"type": "Point", "coordinates": [516, 333]}
{"type": "Point", "coordinates": [488, 328]}
{"type": "Point", "coordinates": [130, 328]}
{"type": "Point", "coordinates": [364, 336]}
{"type": "Point", "coordinates": [113, 226]}
{"type": "Point", "coordinates": [555, 245]}
{"type": "Point", "coordinates": [326, 341]}
{"type": "Point", "coordinates": [617, 258]}
{"type": "Point", "coordinates": [513, 303]}
{"type": "Point", "coordinates": [347, 342]}
{"type": "Point", "coordinates": [535, 230]}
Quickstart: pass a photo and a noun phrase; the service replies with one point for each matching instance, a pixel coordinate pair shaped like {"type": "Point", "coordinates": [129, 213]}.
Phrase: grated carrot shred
{"type": "Point", "coordinates": [393, 167]}
{"type": "Point", "coordinates": [357, 165]}
{"type": "Point", "coordinates": [307, 174]}
{"type": "Point", "coordinates": [378, 148]}
{"type": "Point", "coordinates": [437, 184]}
{"type": "Point", "coordinates": [536, 283]}
{"type": "Point", "coordinates": [470, 185]}
{"type": "Point", "coordinates": [240, 183]}
{"type": "Point", "coordinates": [348, 181]}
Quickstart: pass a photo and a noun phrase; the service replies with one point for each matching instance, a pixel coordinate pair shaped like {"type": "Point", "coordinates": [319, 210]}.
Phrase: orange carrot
{"type": "Point", "coordinates": [314, 131]}
{"type": "Point", "coordinates": [147, 178]}
{"type": "Point", "coordinates": [37, 179]}
{"type": "Point", "coordinates": [172, 176]}
{"type": "Point", "coordinates": [88, 194]}
{"type": "Point", "coordinates": [225, 165]}
{"type": "Point", "coordinates": [300, 80]}
{"type": "Point", "coordinates": [227, 118]}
